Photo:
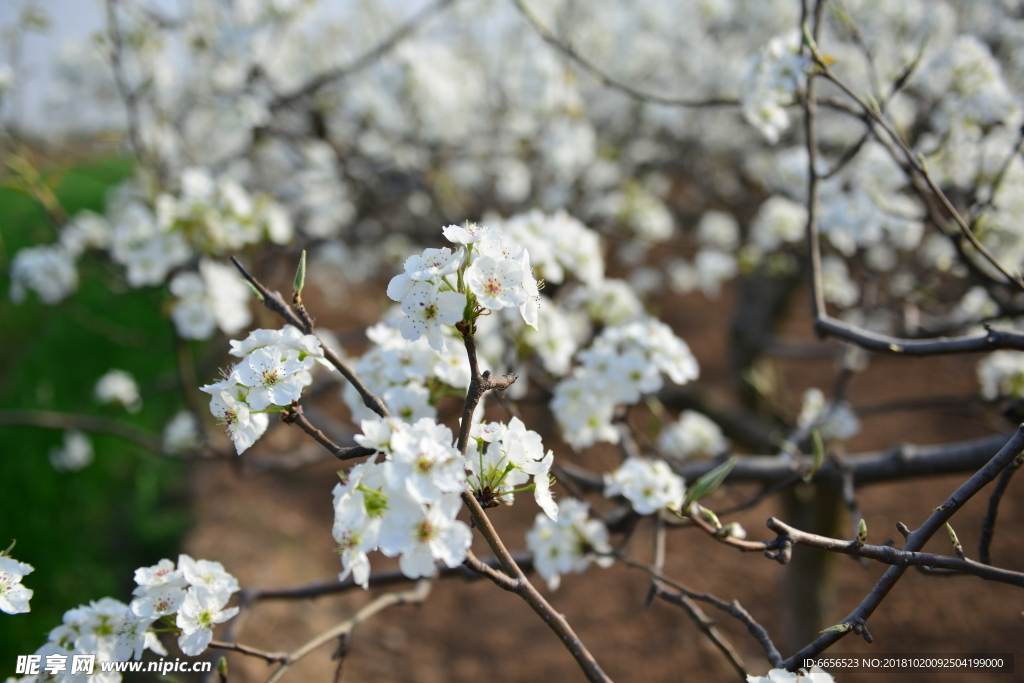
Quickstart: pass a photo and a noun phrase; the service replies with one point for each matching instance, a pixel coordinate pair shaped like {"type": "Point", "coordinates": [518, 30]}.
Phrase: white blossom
{"type": "Point", "coordinates": [14, 596]}
{"type": "Point", "coordinates": [650, 485]}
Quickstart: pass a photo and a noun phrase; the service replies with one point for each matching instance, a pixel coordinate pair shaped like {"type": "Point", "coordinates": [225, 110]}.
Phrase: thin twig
{"type": "Point", "coordinates": [87, 423]}
{"type": "Point", "coordinates": [916, 541]}
{"type": "Point", "coordinates": [608, 81]}
{"type": "Point", "coordinates": [884, 554]}
{"type": "Point", "coordinates": [364, 60]}
{"type": "Point", "coordinates": [414, 595]}
{"type": "Point", "coordinates": [276, 303]}
{"type": "Point", "coordinates": [269, 657]}
{"type": "Point", "coordinates": [733, 608]}
{"type": "Point", "coordinates": [294, 415]}
{"type": "Point", "coordinates": [706, 625]}
{"type": "Point", "coordinates": [988, 524]}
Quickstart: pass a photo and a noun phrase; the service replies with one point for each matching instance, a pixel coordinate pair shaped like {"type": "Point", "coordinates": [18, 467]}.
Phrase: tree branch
{"type": "Point", "coordinates": [414, 595]}
{"type": "Point", "coordinates": [87, 423]}
{"type": "Point", "coordinates": [276, 303]}
{"type": "Point", "coordinates": [607, 81]}
{"type": "Point", "coordinates": [884, 554]}
{"type": "Point", "coordinates": [988, 524]}
{"type": "Point", "coordinates": [364, 60]}
{"type": "Point", "coordinates": [916, 541]}
{"type": "Point", "coordinates": [294, 415]}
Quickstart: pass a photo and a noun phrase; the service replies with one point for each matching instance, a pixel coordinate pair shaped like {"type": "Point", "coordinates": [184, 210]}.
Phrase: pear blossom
{"type": "Point", "coordinates": [430, 266]}
{"type": "Point", "coordinates": [567, 542]}
{"type": "Point", "coordinates": [694, 435]}
{"type": "Point", "coordinates": [427, 308]}
{"type": "Point", "coordinates": [48, 270]}
{"type": "Point", "coordinates": [75, 453]}
{"type": "Point", "coordinates": [181, 434]}
{"type": "Point", "coordinates": [14, 596]}
{"type": "Point", "coordinates": [242, 426]}
{"type": "Point", "coordinates": [273, 379]}
{"type": "Point", "coordinates": [425, 467]}
{"type": "Point", "coordinates": [202, 609]}
{"type": "Point", "coordinates": [815, 675]}
{"type": "Point", "coordinates": [205, 573]}
{"type": "Point", "coordinates": [356, 532]}
{"type": "Point", "coordinates": [118, 386]}
{"type": "Point", "coordinates": [649, 485]}
{"type": "Point", "coordinates": [497, 284]}
{"type": "Point", "coordinates": [422, 534]}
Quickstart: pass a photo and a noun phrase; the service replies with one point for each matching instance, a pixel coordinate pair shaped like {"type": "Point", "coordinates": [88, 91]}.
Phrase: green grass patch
{"type": "Point", "coordinates": [84, 532]}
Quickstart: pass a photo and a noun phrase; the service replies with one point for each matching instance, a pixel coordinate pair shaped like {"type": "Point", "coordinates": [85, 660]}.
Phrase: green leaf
{"type": "Point", "coordinates": [300, 276]}
{"type": "Point", "coordinates": [708, 483]}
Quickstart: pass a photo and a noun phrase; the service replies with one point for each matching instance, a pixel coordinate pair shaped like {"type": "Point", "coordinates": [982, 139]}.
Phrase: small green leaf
{"type": "Point", "coordinates": [838, 628]}
{"type": "Point", "coordinates": [252, 288]}
{"type": "Point", "coordinates": [862, 531]}
{"type": "Point", "coordinates": [708, 483]}
{"type": "Point", "coordinates": [300, 275]}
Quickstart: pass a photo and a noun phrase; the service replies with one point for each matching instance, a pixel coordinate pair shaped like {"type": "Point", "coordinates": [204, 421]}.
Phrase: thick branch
{"type": "Point", "coordinates": [903, 461]}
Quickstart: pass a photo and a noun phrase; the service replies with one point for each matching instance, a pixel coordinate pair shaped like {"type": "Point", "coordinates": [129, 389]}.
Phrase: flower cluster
{"type": "Point", "coordinates": [694, 435]}
{"type": "Point", "coordinates": [196, 591]}
{"type": "Point", "coordinates": [407, 375]}
{"type": "Point", "coordinates": [213, 298]}
{"type": "Point", "coordinates": [47, 270]}
{"type": "Point", "coordinates": [496, 274]}
{"type": "Point", "coordinates": [14, 596]}
{"type": "Point", "coordinates": [274, 369]}
{"type": "Point", "coordinates": [506, 457]}
{"type": "Point", "coordinates": [118, 386]}
{"type": "Point", "coordinates": [624, 362]}
{"type": "Point", "coordinates": [649, 485]}
{"type": "Point", "coordinates": [568, 543]}
{"type": "Point", "coordinates": [190, 597]}
{"type": "Point", "coordinates": [405, 505]}
{"type": "Point", "coordinates": [773, 79]}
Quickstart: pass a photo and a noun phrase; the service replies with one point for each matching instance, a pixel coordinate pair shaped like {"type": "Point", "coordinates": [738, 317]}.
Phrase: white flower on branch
{"type": "Point", "coordinates": [14, 596]}
{"type": "Point", "coordinates": [423, 534]}
{"type": "Point", "coordinates": [272, 378]}
{"type": "Point", "coordinates": [568, 542]}
{"type": "Point", "coordinates": [649, 485]}
{"type": "Point", "coordinates": [47, 270]}
{"type": "Point", "coordinates": [202, 609]}
{"type": "Point", "coordinates": [426, 308]}
{"type": "Point", "coordinates": [694, 435]}
{"type": "Point", "coordinates": [815, 675]}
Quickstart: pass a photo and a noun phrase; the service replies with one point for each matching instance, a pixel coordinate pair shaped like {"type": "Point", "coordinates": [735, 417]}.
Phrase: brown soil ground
{"type": "Point", "coordinates": [274, 531]}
